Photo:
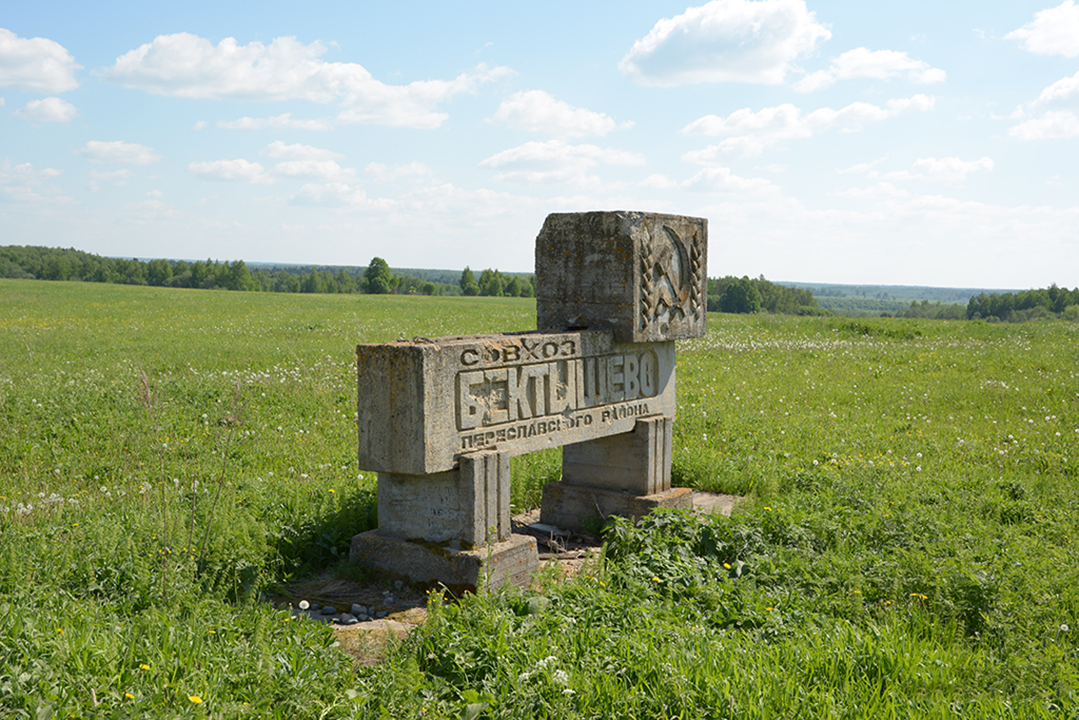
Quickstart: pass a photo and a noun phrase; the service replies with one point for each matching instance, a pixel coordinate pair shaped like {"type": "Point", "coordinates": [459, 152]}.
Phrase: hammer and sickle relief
{"type": "Point", "coordinates": [671, 281]}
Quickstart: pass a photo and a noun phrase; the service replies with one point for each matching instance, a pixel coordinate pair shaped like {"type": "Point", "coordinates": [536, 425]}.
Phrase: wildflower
{"type": "Point", "coordinates": [727, 565]}
{"type": "Point", "coordinates": [129, 696]}
{"type": "Point", "coordinates": [195, 699]}
{"type": "Point", "coordinates": [655, 579]}
{"type": "Point", "coordinates": [144, 666]}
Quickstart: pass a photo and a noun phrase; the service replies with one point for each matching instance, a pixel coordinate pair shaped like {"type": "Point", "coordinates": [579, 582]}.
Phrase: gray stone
{"type": "Point", "coordinates": [585, 509]}
{"type": "Point", "coordinates": [346, 619]}
{"type": "Point", "coordinates": [422, 405]}
{"type": "Point", "coordinates": [358, 609]}
{"type": "Point", "coordinates": [637, 462]}
{"type": "Point", "coordinates": [642, 276]}
{"type": "Point", "coordinates": [381, 614]}
{"type": "Point", "coordinates": [470, 504]}
{"type": "Point", "coordinates": [328, 610]}
{"type": "Point", "coordinates": [511, 561]}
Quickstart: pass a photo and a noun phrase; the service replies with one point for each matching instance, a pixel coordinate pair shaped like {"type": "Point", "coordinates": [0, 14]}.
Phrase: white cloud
{"type": "Point", "coordinates": [121, 174]}
{"type": "Point", "coordinates": [277, 121]}
{"type": "Point", "coordinates": [720, 179]}
{"type": "Point", "coordinates": [200, 125]}
{"type": "Point", "coordinates": [1052, 125]}
{"type": "Point", "coordinates": [325, 169]}
{"type": "Point", "coordinates": [879, 190]}
{"type": "Point", "coordinates": [36, 64]}
{"type": "Point", "coordinates": [186, 65]}
{"type": "Point", "coordinates": [555, 161]}
{"type": "Point", "coordinates": [240, 170]}
{"type": "Point", "coordinates": [23, 183]}
{"type": "Point", "coordinates": [50, 109]}
{"type": "Point", "coordinates": [2, 102]}
{"type": "Point", "coordinates": [658, 181]}
{"type": "Point", "coordinates": [298, 151]}
{"type": "Point", "coordinates": [752, 132]}
{"type": "Point", "coordinates": [385, 173]}
{"type": "Point", "coordinates": [536, 111]}
{"type": "Point", "coordinates": [875, 65]}
{"type": "Point", "coordinates": [338, 194]}
{"type": "Point", "coordinates": [119, 152]}
{"type": "Point", "coordinates": [950, 169]}
{"type": "Point", "coordinates": [1062, 92]}
{"type": "Point", "coordinates": [725, 41]}
{"type": "Point", "coordinates": [1054, 31]}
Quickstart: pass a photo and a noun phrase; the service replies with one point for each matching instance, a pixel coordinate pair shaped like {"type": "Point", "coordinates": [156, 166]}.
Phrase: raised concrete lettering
{"type": "Point", "coordinates": [424, 404]}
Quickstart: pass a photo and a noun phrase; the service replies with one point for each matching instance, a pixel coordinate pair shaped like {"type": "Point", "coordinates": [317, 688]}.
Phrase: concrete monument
{"type": "Point", "coordinates": [439, 419]}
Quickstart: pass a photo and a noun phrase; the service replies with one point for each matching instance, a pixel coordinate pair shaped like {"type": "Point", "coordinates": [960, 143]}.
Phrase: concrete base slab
{"type": "Point", "coordinates": [510, 562]}
{"type": "Point", "coordinates": [585, 509]}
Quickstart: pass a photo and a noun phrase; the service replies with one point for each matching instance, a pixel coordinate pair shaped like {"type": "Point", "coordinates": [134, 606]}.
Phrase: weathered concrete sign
{"type": "Point", "coordinates": [440, 419]}
{"type": "Point", "coordinates": [425, 403]}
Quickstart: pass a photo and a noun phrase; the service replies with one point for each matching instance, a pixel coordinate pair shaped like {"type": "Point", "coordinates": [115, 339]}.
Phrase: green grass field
{"type": "Point", "coordinates": [908, 548]}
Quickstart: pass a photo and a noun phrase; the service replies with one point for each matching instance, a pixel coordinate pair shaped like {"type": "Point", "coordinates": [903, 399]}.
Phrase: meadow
{"type": "Point", "coordinates": [907, 548]}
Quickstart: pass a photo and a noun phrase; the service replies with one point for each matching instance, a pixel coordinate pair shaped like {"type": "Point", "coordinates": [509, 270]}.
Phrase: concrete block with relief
{"type": "Point", "coordinates": [642, 276]}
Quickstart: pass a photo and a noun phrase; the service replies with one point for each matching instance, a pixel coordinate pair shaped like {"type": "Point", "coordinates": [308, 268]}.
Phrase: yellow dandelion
{"type": "Point", "coordinates": [129, 696]}
{"type": "Point", "coordinates": [195, 699]}
{"type": "Point", "coordinates": [144, 666]}
{"type": "Point", "coordinates": [655, 579]}
{"type": "Point", "coordinates": [727, 565]}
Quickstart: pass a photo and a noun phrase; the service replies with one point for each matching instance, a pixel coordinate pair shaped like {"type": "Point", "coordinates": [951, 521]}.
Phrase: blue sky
{"type": "Point", "coordinates": [919, 143]}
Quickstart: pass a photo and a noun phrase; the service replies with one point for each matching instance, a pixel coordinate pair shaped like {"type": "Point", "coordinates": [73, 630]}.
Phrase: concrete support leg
{"type": "Point", "coordinates": [451, 527]}
{"type": "Point", "coordinates": [627, 474]}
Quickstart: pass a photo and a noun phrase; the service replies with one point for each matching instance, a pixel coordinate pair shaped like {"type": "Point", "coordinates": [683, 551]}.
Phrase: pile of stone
{"type": "Point", "coordinates": [330, 614]}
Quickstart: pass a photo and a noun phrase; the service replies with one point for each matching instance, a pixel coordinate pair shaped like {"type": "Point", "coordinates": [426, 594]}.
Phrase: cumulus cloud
{"type": "Point", "coordinates": [283, 120]}
{"type": "Point", "coordinates": [298, 151]}
{"type": "Point", "coordinates": [1062, 92]}
{"type": "Point", "coordinates": [874, 65]}
{"type": "Point", "coordinates": [325, 169]}
{"type": "Point", "coordinates": [537, 111]}
{"type": "Point", "coordinates": [949, 169]}
{"type": "Point", "coordinates": [24, 183]}
{"type": "Point", "coordinates": [50, 109]}
{"type": "Point", "coordinates": [725, 41]}
{"type": "Point", "coordinates": [721, 179]}
{"type": "Point", "coordinates": [555, 161]}
{"type": "Point", "coordinates": [118, 152]}
{"type": "Point", "coordinates": [238, 170]}
{"type": "Point", "coordinates": [36, 64]}
{"type": "Point", "coordinates": [386, 173]}
{"type": "Point", "coordinates": [1054, 31]}
{"type": "Point", "coordinates": [1059, 119]}
{"type": "Point", "coordinates": [657, 181]}
{"type": "Point", "coordinates": [338, 194]}
{"type": "Point", "coordinates": [121, 174]}
{"type": "Point", "coordinates": [1054, 124]}
{"type": "Point", "coordinates": [186, 65]}
{"type": "Point", "coordinates": [879, 190]}
{"type": "Point", "coordinates": [750, 133]}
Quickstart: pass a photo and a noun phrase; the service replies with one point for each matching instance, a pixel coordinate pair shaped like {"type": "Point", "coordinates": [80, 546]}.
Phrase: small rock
{"type": "Point", "coordinates": [381, 614]}
{"type": "Point", "coordinates": [358, 609]}
{"type": "Point", "coordinates": [398, 584]}
{"type": "Point", "coordinates": [311, 607]}
{"type": "Point", "coordinates": [346, 619]}
{"type": "Point", "coordinates": [329, 610]}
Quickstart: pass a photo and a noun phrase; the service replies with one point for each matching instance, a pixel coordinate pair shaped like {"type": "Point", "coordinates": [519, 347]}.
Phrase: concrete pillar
{"type": "Point", "coordinates": [627, 475]}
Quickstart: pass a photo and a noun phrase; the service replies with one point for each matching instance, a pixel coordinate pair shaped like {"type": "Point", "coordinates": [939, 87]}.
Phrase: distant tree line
{"type": "Point", "coordinates": [1040, 304]}
{"type": "Point", "coordinates": [32, 262]}
{"type": "Point", "coordinates": [492, 283]}
{"type": "Point", "coordinates": [932, 311]}
{"type": "Point", "coordinates": [749, 295]}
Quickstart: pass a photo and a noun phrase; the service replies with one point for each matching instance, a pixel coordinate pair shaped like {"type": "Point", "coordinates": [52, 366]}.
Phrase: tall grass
{"type": "Point", "coordinates": [908, 548]}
